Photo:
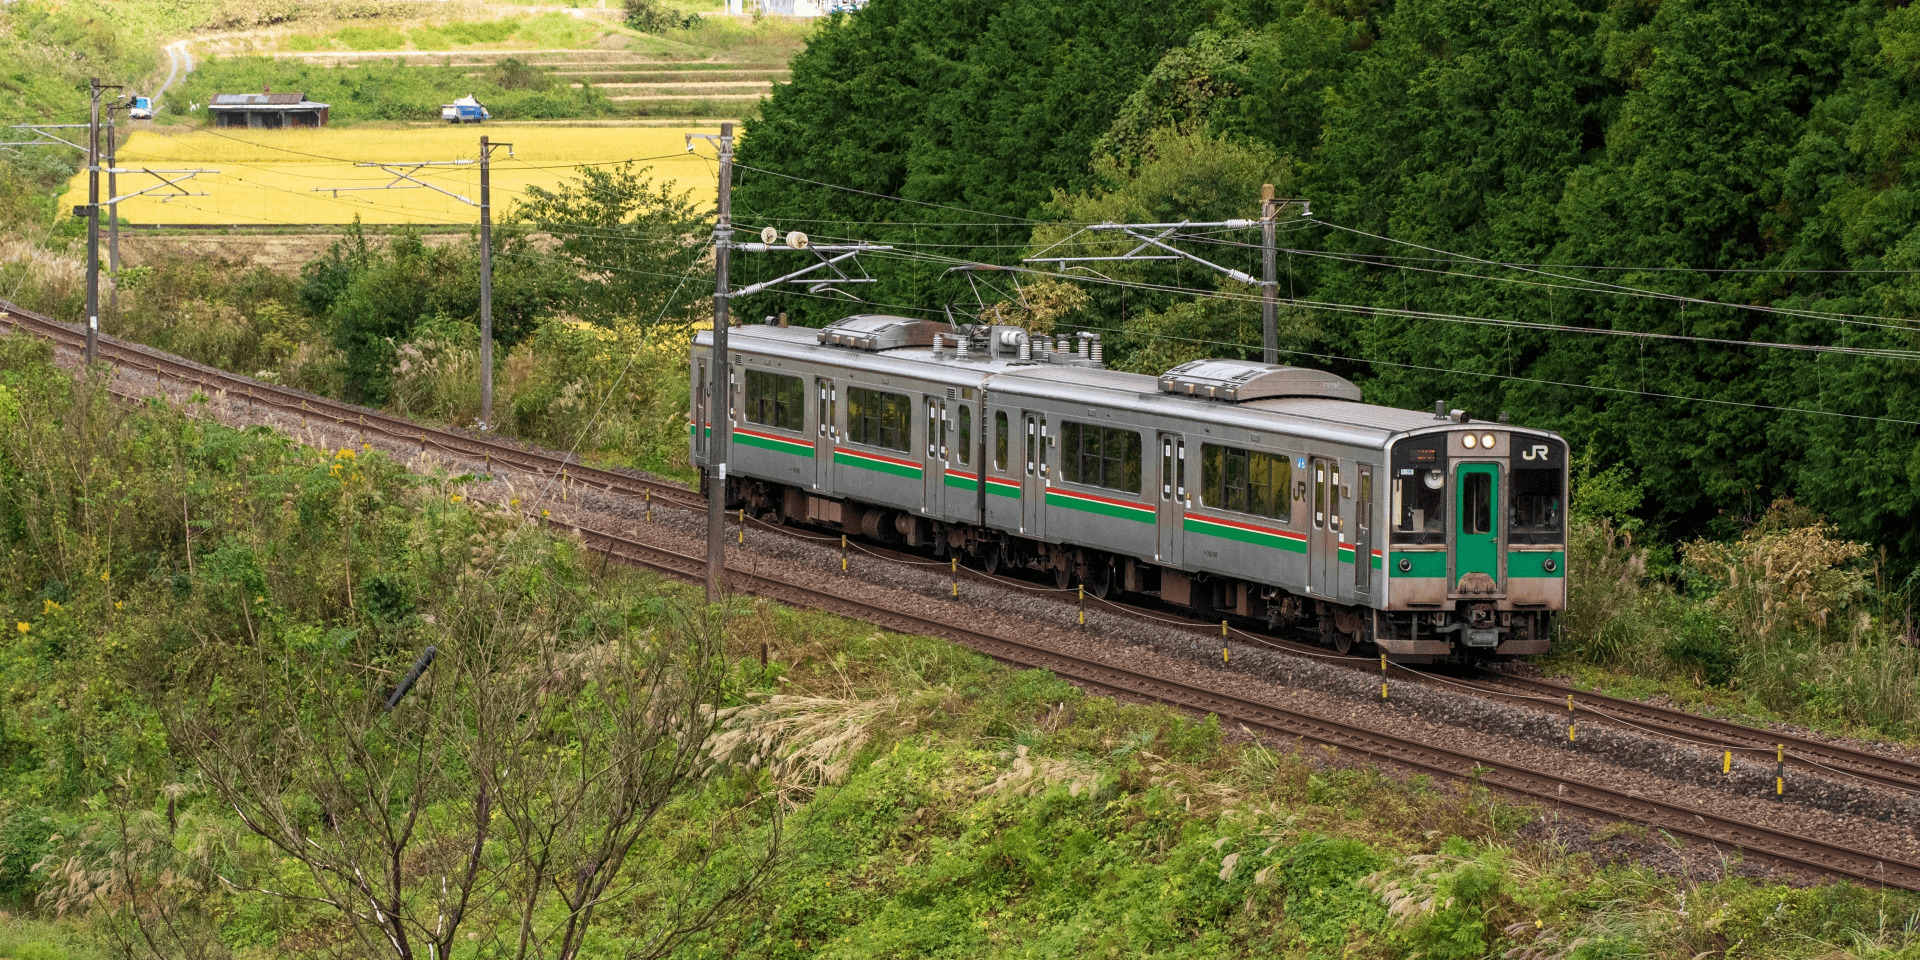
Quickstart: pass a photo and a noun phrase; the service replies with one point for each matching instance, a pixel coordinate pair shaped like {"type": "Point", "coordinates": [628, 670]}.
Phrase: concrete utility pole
{"type": "Point", "coordinates": [406, 176]}
{"type": "Point", "coordinates": [93, 224]}
{"type": "Point", "coordinates": [113, 217]}
{"type": "Point", "coordinates": [719, 403]}
{"type": "Point", "coordinates": [1269, 280]}
{"type": "Point", "coordinates": [486, 280]}
{"type": "Point", "coordinates": [719, 396]}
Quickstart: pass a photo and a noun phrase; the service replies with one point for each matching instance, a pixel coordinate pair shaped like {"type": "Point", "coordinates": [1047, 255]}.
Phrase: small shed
{"type": "Point", "coordinates": [267, 109]}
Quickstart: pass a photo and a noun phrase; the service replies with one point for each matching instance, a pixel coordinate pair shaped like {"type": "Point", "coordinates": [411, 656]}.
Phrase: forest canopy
{"type": "Point", "coordinates": [1601, 217]}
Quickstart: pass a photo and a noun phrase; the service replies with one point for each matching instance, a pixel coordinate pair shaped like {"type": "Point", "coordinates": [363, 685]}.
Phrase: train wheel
{"type": "Point", "coordinates": [1062, 577]}
{"type": "Point", "coordinates": [1342, 642]}
{"type": "Point", "coordinates": [991, 558]}
{"type": "Point", "coordinates": [1100, 580]}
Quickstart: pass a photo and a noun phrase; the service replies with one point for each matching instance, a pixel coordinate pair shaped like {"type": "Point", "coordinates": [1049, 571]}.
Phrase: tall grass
{"type": "Point", "coordinates": [1785, 618]}
{"type": "Point", "coordinates": [620, 392]}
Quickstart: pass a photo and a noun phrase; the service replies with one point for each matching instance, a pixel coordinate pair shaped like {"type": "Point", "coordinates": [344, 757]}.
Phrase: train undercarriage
{"type": "Point", "coordinates": [1470, 631]}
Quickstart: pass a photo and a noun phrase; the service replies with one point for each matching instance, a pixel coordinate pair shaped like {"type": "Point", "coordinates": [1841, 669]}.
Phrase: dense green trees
{"type": "Point", "coordinates": [1707, 169]}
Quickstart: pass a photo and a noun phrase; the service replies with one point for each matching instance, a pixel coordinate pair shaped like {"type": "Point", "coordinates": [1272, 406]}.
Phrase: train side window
{"type": "Point", "coordinates": [1268, 477]}
{"type": "Point", "coordinates": [776, 400]}
{"type": "Point", "coordinates": [1100, 456]}
{"type": "Point", "coordinates": [1000, 441]}
{"type": "Point", "coordinates": [1123, 452]}
{"type": "Point", "coordinates": [933, 428]}
{"type": "Point", "coordinates": [1030, 441]}
{"type": "Point", "coordinates": [879, 419]}
{"type": "Point", "coordinates": [966, 434]}
{"type": "Point", "coordinates": [1070, 439]}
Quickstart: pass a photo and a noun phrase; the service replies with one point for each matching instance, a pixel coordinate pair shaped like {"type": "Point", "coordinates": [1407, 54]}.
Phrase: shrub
{"type": "Point", "coordinates": [653, 16]}
{"type": "Point", "coordinates": [1702, 644]}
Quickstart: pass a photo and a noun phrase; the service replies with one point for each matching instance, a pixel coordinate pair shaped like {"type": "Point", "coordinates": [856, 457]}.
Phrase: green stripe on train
{"type": "Point", "coordinates": [878, 466]}
{"type": "Point", "coordinates": [1258, 538]}
{"type": "Point", "coordinates": [794, 447]}
{"type": "Point", "coordinates": [1101, 507]}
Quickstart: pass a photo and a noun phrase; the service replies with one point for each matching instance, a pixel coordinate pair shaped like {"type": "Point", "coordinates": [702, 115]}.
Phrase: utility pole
{"type": "Point", "coordinates": [719, 403]}
{"type": "Point", "coordinates": [1269, 280]}
{"type": "Point", "coordinates": [719, 396]}
{"type": "Point", "coordinates": [93, 224]}
{"type": "Point", "coordinates": [113, 217]}
{"type": "Point", "coordinates": [406, 176]}
{"type": "Point", "coordinates": [486, 281]}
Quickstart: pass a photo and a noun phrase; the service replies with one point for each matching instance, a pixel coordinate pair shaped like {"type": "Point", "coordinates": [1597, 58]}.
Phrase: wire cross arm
{"type": "Point", "coordinates": [404, 179]}
{"type": "Point", "coordinates": [46, 139]}
{"type": "Point", "coordinates": [168, 178]}
{"type": "Point", "coordinates": [825, 261]}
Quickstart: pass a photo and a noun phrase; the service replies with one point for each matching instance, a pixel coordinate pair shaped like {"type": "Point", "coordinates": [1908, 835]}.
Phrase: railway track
{"type": "Point", "coordinates": [1833, 760]}
{"type": "Point", "coordinates": [1510, 778]}
{"type": "Point", "coordinates": [321, 409]}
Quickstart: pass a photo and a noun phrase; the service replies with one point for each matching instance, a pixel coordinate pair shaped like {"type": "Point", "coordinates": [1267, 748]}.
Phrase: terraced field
{"type": "Point", "coordinates": [722, 86]}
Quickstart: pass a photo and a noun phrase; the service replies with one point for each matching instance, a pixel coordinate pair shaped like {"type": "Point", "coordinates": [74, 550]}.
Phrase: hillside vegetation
{"type": "Point", "coordinates": [1659, 159]}
{"type": "Point", "coordinates": [195, 612]}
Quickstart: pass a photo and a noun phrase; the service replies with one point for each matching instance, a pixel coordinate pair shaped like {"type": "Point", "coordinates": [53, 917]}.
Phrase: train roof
{"type": "Point", "coordinates": [1325, 417]}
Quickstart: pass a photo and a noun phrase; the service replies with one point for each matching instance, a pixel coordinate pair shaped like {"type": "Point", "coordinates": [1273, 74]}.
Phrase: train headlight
{"type": "Point", "coordinates": [1549, 565]}
{"type": "Point", "coordinates": [1486, 440]}
{"type": "Point", "coordinates": [1405, 565]}
{"type": "Point", "coordinates": [1470, 440]}
{"type": "Point", "coordinates": [1435, 479]}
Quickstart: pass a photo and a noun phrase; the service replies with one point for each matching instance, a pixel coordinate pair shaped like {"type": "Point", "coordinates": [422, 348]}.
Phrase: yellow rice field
{"type": "Point", "coordinates": [287, 176]}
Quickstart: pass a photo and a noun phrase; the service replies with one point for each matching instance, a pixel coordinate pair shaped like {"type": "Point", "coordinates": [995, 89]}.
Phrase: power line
{"type": "Point", "coordinates": [1453, 318]}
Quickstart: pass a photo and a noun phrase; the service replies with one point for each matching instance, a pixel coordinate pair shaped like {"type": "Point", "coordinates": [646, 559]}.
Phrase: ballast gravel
{"type": "Point", "coordinates": [1833, 809]}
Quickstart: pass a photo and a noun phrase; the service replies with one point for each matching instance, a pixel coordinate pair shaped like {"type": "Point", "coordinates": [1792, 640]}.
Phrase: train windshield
{"type": "Point", "coordinates": [1539, 510]}
{"type": "Point", "coordinates": [1419, 506]}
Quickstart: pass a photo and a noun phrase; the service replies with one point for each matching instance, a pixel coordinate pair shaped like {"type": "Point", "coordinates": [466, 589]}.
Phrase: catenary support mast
{"type": "Point", "coordinates": [719, 399]}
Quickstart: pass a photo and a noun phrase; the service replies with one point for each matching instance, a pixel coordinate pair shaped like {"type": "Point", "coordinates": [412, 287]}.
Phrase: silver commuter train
{"type": "Point", "coordinates": [1232, 488]}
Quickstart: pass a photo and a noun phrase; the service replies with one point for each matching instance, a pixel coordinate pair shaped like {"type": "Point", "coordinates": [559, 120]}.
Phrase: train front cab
{"type": "Point", "coordinates": [1476, 558]}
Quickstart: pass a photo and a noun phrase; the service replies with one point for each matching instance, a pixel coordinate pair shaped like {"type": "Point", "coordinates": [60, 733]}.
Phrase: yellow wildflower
{"type": "Point", "coordinates": [24, 626]}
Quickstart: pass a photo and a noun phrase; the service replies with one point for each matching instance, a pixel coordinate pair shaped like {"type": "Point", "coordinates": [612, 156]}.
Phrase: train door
{"type": "Point", "coordinates": [702, 425]}
{"type": "Point", "coordinates": [960, 489]}
{"type": "Point", "coordinates": [1476, 534]}
{"type": "Point", "coordinates": [1033, 496]}
{"type": "Point", "coordinates": [935, 476]}
{"type": "Point", "coordinates": [1363, 534]}
{"type": "Point", "coordinates": [827, 434]}
{"type": "Point", "coordinates": [1323, 546]}
{"type": "Point", "coordinates": [1173, 499]}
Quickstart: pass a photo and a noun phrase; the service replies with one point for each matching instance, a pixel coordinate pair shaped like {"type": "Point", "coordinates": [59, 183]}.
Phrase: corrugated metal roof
{"type": "Point", "coordinates": [262, 100]}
